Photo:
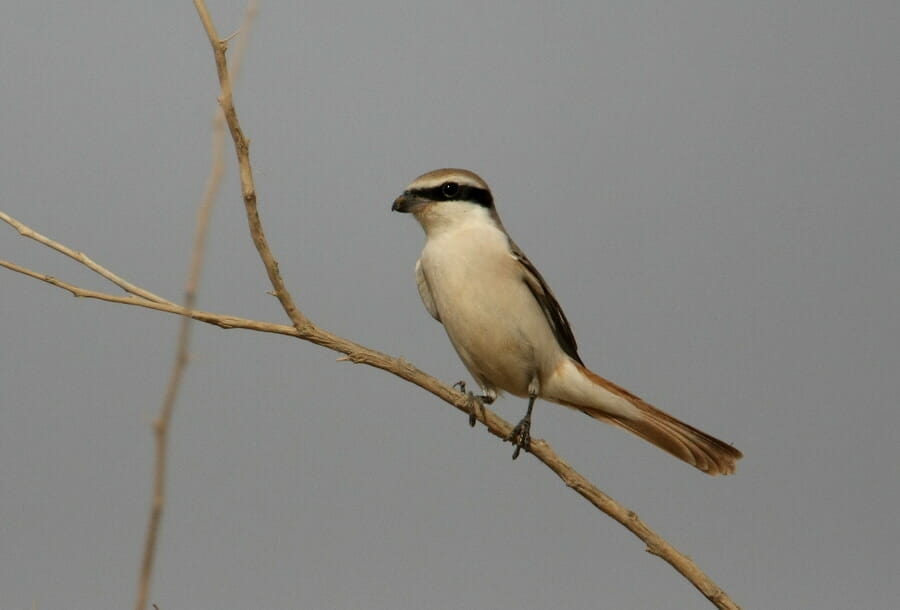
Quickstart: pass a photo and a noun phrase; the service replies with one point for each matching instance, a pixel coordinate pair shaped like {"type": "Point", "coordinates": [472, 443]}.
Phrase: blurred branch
{"type": "Point", "coordinates": [304, 329]}
{"type": "Point", "coordinates": [161, 424]}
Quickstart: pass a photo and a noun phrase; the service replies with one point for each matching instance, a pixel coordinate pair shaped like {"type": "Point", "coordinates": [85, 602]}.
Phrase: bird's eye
{"type": "Point", "coordinates": [450, 190]}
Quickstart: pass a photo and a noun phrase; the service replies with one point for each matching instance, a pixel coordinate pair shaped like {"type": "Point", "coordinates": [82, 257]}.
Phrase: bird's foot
{"type": "Point", "coordinates": [474, 404]}
{"type": "Point", "coordinates": [477, 402]}
{"type": "Point", "coordinates": [521, 436]}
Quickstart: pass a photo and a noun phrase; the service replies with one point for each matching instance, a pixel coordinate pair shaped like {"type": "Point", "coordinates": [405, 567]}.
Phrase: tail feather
{"type": "Point", "coordinates": [685, 442]}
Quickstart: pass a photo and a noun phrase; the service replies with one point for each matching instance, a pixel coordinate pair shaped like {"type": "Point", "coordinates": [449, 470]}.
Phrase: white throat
{"type": "Point", "coordinates": [448, 216]}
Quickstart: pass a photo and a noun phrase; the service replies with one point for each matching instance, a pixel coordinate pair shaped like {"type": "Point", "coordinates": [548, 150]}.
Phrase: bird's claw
{"type": "Point", "coordinates": [521, 436]}
{"type": "Point", "coordinates": [461, 386]}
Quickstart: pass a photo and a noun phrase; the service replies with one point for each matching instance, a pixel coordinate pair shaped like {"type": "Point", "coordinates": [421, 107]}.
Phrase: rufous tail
{"type": "Point", "coordinates": [685, 442]}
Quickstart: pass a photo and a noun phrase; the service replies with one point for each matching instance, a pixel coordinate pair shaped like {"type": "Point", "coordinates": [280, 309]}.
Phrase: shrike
{"type": "Point", "coordinates": [508, 328]}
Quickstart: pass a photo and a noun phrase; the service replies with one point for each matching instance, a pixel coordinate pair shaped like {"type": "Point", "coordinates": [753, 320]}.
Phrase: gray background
{"type": "Point", "coordinates": [711, 189]}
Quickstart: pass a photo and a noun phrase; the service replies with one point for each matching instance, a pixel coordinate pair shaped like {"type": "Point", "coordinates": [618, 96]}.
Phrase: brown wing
{"type": "Point", "coordinates": [549, 305]}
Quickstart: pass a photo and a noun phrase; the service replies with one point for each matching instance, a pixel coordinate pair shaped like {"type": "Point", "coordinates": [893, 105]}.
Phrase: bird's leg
{"type": "Point", "coordinates": [521, 434]}
{"type": "Point", "coordinates": [477, 402]}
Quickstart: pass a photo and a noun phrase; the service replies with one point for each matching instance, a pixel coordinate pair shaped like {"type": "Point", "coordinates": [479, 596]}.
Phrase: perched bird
{"type": "Point", "coordinates": [508, 328]}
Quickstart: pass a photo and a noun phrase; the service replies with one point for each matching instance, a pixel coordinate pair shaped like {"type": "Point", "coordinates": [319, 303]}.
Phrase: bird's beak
{"type": "Point", "coordinates": [407, 202]}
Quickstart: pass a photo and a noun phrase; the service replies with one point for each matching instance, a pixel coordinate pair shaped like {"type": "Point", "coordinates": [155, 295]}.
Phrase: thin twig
{"type": "Point", "coordinates": [82, 258]}
{"type": "Point", "coordinates": [242, 146]}
{"type": "Point", "coordinates": [221, 320]}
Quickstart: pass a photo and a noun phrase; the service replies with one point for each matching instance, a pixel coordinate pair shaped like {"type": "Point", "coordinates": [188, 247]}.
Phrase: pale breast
{"type": "Point", "coordinates": [490, 315]}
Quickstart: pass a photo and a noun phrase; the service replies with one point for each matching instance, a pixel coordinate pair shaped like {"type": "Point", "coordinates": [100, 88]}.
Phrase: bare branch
{"type": "Point", "coordinates": [242, 148]}
{"type": "Point", "coordinates": [82, 258]}
{"type": "Point", "coordinates": [221, 320]}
